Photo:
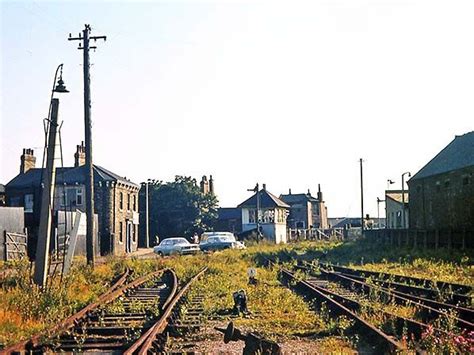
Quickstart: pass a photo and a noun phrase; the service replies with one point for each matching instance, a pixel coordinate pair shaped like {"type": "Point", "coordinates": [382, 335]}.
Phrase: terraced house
{"type": "Point", "coordinates": [115, 201]}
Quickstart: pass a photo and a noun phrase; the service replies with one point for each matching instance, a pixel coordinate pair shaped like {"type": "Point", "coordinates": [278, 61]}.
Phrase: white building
{"type": "Point", "coordinates": [272, 215]}
{"type": "Point", "coordinates": [394, 209]}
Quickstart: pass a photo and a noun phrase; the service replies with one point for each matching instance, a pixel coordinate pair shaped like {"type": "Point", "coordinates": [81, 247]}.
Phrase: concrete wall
{"type": "Point", "coordinates": [443, 201]}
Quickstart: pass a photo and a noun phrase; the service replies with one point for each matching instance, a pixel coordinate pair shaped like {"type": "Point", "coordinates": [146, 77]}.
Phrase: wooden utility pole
{"type": "Point", "coordinates": [361, 196]}
{"type": "Point", "coordinates": [90, 235]}
{"type": "Point", "coordinates": [47, 195]}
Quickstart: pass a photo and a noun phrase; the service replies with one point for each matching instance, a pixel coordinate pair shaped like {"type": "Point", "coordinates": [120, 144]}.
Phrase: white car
{"type": "Point", "coordinates": [176, 245]}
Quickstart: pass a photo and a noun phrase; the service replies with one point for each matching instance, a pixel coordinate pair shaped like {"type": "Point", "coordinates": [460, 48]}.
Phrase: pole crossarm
{"type": "Point", "coordinates": [90, 234]}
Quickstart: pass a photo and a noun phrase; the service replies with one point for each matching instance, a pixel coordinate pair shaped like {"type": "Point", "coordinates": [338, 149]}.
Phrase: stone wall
{"type": "Point", "coordinates": [443, 201]}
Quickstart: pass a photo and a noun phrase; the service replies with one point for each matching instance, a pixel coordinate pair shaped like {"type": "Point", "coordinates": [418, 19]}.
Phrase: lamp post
{"type": "Point", "coordinates": [403, 197]}
{"type": "Point", "coordinates": [48, 183]}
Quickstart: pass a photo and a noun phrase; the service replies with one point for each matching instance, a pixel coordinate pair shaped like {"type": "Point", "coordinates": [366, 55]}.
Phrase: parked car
{"type": "Point", "coordinates": [176, 245]}
{"type": "Point", "coordinates": [219, 241]}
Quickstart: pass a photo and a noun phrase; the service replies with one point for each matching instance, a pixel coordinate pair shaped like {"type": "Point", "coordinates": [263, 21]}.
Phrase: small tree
{"type": "Point", "coordinates": [180, 208]}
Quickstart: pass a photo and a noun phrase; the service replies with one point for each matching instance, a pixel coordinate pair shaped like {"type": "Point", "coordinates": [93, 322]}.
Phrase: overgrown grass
{"type": "Point", "coordinates": [275, 312]}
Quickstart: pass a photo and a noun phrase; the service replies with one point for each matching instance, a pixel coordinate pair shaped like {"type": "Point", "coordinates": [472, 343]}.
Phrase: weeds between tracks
{"type": "Point", "coordinates": [24, 310]}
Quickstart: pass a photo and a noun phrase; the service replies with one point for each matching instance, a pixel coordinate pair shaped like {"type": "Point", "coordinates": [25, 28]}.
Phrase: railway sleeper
{"type": "Point", "coordinates": [382, 342]}
{"type": "Point", "coordinates": [453, 287]}
{"type": "Point", "coordinates": [426, 310]}
{"type": "Point", "coordinates": [435, 295]}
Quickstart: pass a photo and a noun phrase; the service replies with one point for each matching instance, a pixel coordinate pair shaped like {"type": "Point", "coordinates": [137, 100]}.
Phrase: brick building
{"type": "Point", "coordinates": [306, 211]}
{"type": "Point", "coordinates": [115, 200]}
{"type": "Point", "coordinates": [442, 192]}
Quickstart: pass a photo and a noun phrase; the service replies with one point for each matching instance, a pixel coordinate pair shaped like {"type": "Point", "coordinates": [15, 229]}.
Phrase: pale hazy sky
{"type": "Point", "coordinates": [289, 93]}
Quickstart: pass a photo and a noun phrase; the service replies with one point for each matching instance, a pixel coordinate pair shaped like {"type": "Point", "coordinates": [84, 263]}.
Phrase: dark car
{"type": "Point", "coordinates": [220, 241]}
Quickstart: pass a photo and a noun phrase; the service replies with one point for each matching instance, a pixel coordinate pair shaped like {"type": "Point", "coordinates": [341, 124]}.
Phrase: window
{"type": "Point", "coordinates": [252, 216]}
{"type": "Point", "coordinates": [446, 183]}
{"type": "Point", "coordinates": [121, 230]}
{"type": "Point", "coordinates": [135, 203]}
{"type": "Point", "coordinates": [29, 203]}
{"type": "Point", "coordinates": [128, 202]}
{"type": "Point", "coordinates": [465, 180]}
{"type": "Point", "coordinates": [79, 196]}
{"type": "Point", "coordinates": [438, 186]}
{"type": "Point", "coordinates": [121, 202]}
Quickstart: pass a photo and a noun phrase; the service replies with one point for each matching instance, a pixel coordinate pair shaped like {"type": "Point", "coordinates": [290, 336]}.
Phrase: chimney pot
{"type": "Point", "coordinates": [80, 155]}
{"type": "Point", "coordinates": [27, 160]}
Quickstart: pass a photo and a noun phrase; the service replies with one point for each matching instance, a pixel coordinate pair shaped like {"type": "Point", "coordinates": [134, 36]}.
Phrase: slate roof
{"type": "Point", "coordinates": [70, 176]}
{"type": "Point", "coordinates": [397, 195]}
{"type": "Point", "coordinates": [295, 198]}
{"type": "Point", "coordinates": [457, 155]}
{"type": "Point", "coordinates": [229, 213]}
{"type": "Point", "coordinates": [267, 200]}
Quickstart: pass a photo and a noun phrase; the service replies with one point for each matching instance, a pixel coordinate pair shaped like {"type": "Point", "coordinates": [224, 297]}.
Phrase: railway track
{"type": "Point", "coordinates": [458, 291]}
{"type": "Point", "coordinates": [155, 339]}
{"type": "Point", "coordinates": [128, 319]}
{"type": "Point", "coordinates": [102, 326]}
{"type": "Point", "coordinates": [380, 341]}
{"type": "Point", "coordinates": [429, 309]}
{"type": "Point", "coordinates": [393, 326]}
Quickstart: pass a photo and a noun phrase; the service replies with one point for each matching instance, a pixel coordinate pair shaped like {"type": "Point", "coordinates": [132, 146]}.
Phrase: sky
{"type": "Point", "coordinates": [287, 93]}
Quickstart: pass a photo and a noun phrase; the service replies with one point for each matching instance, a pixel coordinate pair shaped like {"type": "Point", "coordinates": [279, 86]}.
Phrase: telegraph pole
{"type": "Point", "coordinates": [47, 195]}
{"type": "Point", "coordinates": [90, 237]}
{"type": "Point", "coordinates": [361, 197]}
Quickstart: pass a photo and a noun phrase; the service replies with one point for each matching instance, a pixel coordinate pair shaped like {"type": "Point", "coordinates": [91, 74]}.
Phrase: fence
{"type": "Point", "coordinates": [317, 234]}
{"type": "Point", "coordinates": [428, 239]}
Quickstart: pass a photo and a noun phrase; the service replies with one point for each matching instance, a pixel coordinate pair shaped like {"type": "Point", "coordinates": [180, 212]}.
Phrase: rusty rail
{"type": "Point", "coordinates": [144, 343]}
{"type": "Point", "coordinates": [427, 305]}
{"type": "Point", "coordinates": [388, 344]}
{"type": "Point", "coordinates": [454, 287]}
{"type": "Point", "coordinates": [68, 322]}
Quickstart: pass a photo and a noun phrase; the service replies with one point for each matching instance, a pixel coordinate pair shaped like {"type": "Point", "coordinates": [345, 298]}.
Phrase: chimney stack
{"type": "Point", "coordinates": [211, 185]}
{"type": "Point", "coordinates": [264, 187]}
{"type": "Point", "coordinates": [28, 160]}
{"type": "Point", "coordinates": [204, 185]}
{"type": "Point", "coordinates": [80, 155]}
{"type": "Point", "coordinates": [289, 191]}
{"type": "Point", "coordinates": [320, 194]}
